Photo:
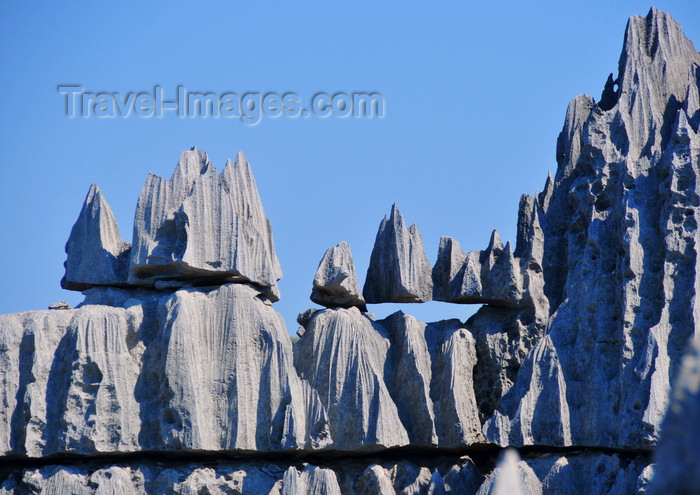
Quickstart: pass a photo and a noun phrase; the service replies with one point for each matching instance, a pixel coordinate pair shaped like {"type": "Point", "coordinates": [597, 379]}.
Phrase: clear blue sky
{"type": "Point", "coordinates": [475, 96]}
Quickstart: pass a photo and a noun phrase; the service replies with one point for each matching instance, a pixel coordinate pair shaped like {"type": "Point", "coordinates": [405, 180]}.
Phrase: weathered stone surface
{"type": "Point", "coordinates": [335, 283]}
{"type": "Point", "coordinates": [249, 397]}
{"type": "Point", "coordinates": [411, 382]}
{"type": "Point", "coordinates": [60, 305]}
{"type": "Point", "coordinates": [148, 478]}
{"type": "Point", "coordinates": [311, 481]}
{"type": "Point", "coordinates": [594, 474]}
{"type": "Point", "coordinates": [342, 355]}
{"type": "Point", "coordinates": [205, 369]}
{"type": "Point", "coordinates": [399, 270]}
{"type": "Point", "coordinates": [497, 275]}
{"type": "Point", "coordinates": [546, 474]}
{"type": "Point", "coordinates": [583, 331]}
{"type": "Point", "coordinates": [201, 226]}
{"type": "Point", "coordinates": [511, 477]}
{"type": "Point", "coordinates": [456, 275]}
{"type": "Point", "coordinates": [75, 381]}
{"type": "Point", "coordinates": [619, 264]}
{"type": "Point", "coordinates": [96, 253]}
{"type": "Point", "coordinates": [678, 453]}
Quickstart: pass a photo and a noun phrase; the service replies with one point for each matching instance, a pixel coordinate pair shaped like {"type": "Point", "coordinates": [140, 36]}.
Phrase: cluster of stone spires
{"type": "Point", "coordinates": [399, 271]}
{"type": "Point", "coordinates": [204, 228]}
{"type": "Point", "coordinates": [618, 227]}
{"type": "Point", "coordinates": [198, 228]}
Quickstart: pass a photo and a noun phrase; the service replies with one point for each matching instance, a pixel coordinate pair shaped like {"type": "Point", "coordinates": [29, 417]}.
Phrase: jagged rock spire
{"type": "Point", "coordinates": [96, 253]}
{"type": "Point", "coordinates": [200, 226]}
{"type": "Point", "coordinates": [615, 233]}
{"type": "Point", "coordinates": [399, 270]}
{"type": "Point", "coordinates": [335, 283]}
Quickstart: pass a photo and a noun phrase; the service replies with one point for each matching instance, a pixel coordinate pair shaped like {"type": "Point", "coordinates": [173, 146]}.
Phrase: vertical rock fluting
{"type": "Point", "coordinates": [678, 454]}
{"type": "Point", "coordinates": [392, 382]}
{"type": "Point", "coordinates": [619, 230]}
{"type": "Point", "coordinates": [581, 335]}
{"type": "Point", "coordinates": [342, 355]}
{"type": "Point", "coordinates": [131, 369]}
{"type": "Point", "coordinates": [96, 254]}
{"type": "Point", "coordinates": [104, 378]}
{"type": "Point", "coordinates": [335, 283]}
{"type": "Point", "coordinates": [249, 396]}
{"type": "Point", "coordinates": [204, 227]}
{"type": "Point", "coordinates": [399, 270]}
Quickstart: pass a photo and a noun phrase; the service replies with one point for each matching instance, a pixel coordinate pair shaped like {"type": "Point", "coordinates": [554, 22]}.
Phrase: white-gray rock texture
{"type": "Point", "coordinates": [399, 270]}
{"type": "Point", "coordinates": [177, 353]}
{"type": "Point", "coordinates": [130, 370]}
{"type": "Point", "coordinates": [678, 453]}
{"type": "Point", "coordinates": [96, 254]}
{"type": "Point", "coordinates": [203, 227]}
{"type": "Point", "coordinates": [600, 474]}
{"type": "Point", "coordinates": [335, 284]}
{"type": "Point", "coordinates": [619, 230]}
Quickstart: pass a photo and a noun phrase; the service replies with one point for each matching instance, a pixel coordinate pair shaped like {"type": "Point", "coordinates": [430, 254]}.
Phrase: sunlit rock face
{"type": "Point", "coordinates": [619, 226]}
{"type": "Point", "coordinates": [177, 375]}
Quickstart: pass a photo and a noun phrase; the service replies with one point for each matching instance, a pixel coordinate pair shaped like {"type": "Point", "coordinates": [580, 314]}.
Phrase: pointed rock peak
{"type": "Point", "coordinates": [448, 245]}
{"type": "Point", "coordinates": [239, 176]}
{"type": "Point", "coordinates": [399, 270]}
{"type": "Point", "coordinates": [203, 225]}
{"type": "Point", "coordinates": [395, 215]}
{"type": "Point", "coordinates": [507, 480]}
{"type": "Point", "coordinates": [335, 283]}
{"type": "Point", "coordinates": [437, 484]}
{"type": "Point", "coordinates": [243, 169]}
{"type": "Point", "coordinates": [192, 163]}
{"type": "Point", "coordinates": [96, 254]}
{"type": "Point", "coordinates": [549, 183]}
{"type": "Point", "coordinates": [495, 243]}
{"type": "Point", "coordinates": [93, 192]}
{"type": "Point", "coordinates": [609, 97]}
{"type": "Point", "coordinates": [656, 37]}
{"type": "Point", "coordinates": [97, 214]}
{"type": "Point", "coordinates": [507, 251]}
{"type": "Point", "coordinates": [681, 129]}
{"type": "Point", "coordinates": [545, 196]}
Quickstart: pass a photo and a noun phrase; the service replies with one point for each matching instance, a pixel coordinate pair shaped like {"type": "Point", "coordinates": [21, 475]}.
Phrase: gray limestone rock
{"type": "Point", "coordinates": [399, 270]}
{"type": "Point", "coordinates": [456, 275]}
{"type": "Point", "coordinates": [453, 359]}
{"type": "Point", "coordinates": [678, 453]}
{"type": "Point", "coordinates": [148, 479]}
{"type": "Point", "coordinates": [204, 227]}
{"type": "Point", "coordinates": [343, 355]}
{"type": "Point", "coordinates": [583, 330]}
{"type": "Point", "coordinates": [495, 276]}
{"type": "Point", "coordinates": [511, 477]}
{"type": "Point", "coordinates": [615, 237]}
{"type": "Point", "coordinates": [249, 397]}
{"type": "Point", "coordinates": [130, 370]}
{"type": "Point", "coordinates": [335, 283]}
{"type": "Point", "coordinates": [416, 379]}
{"type": "Point", "coordinates": [60, 305]}
{"type": "Point", "coordinates": [312, 480]}
{"type": "Point", "coordinates": [96, 253]}
{"type": "Point", "coordinates": [595, 474]}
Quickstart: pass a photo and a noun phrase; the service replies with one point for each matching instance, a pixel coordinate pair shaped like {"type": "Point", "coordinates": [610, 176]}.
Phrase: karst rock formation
{"type": "Point", "coordinates": [580, 373]}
